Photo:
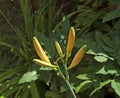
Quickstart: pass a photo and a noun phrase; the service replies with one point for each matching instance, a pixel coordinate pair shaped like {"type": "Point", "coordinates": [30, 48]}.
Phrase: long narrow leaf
{"type": "Point", "coordinates": [100, 86]}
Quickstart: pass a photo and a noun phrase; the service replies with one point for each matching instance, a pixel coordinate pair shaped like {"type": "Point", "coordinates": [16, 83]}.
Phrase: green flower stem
{"type": "Point", "coordinates": [66, 73]}
{"type": "Point", "coordinates": [67, 82]}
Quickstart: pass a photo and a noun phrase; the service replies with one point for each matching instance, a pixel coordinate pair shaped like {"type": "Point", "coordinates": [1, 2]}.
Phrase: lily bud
{"type": "Point", "coordinates": [70, 43]}
{"type": "Point", "coordinates": [77, 58]}
{"type": "Point", "coordinates": [58, 48]}
{"type": "Point", "coordinates": [42, 63]}
{"type": "Point", "coordinates": [40, 51]}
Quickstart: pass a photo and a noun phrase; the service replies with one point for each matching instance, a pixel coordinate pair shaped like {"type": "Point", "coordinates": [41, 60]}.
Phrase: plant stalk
{"type": "Point", "coordinates": [67, 82]}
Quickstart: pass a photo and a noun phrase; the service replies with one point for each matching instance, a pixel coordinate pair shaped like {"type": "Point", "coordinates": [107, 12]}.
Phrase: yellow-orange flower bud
{"type": "Point", "coordinates": [77, 58]}
{"type": "Point", "coordinates": [42, 63]}
{"type": "Point", "coordinates": [40, 51]}
{"type": "Point", "coordinates": [70, 43]}
{"type": "Point", "coordinates": [58, 48]}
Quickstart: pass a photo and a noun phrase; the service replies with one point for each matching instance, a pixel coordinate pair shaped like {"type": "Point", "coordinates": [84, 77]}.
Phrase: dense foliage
{"type": "Point", "coordinates": [97, 25]}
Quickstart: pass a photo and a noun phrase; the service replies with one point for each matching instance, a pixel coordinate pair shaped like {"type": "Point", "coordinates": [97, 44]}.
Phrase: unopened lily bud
{"type": "Point", "coordinates": [58, 48]}
{"type": "Point", "coordinates": [77, 58]}
{"type": "Point", "coordinates": [70, 43]}
{"type": "Point", "coordinates": [42, 63]}
{"type": "Point", "coordinates": [40, 51]}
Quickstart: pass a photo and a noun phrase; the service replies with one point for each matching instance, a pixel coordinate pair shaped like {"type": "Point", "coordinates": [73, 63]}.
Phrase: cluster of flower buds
{"type": "Point", "coordinates": [70, 44]}
{"type": "Point", "coordinates": [44, 58]}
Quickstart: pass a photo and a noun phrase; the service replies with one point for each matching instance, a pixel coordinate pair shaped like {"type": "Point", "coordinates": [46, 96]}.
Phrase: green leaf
{"type": "Point", "coordinates": [102, 84]}
{"type": "Point", "coordinates": [2, 97]}
{"type": "Point", "coordinates": [50, 94]}
{"type": "Point", "coordinates": [45, 68]}
{"type": "Point", "coordinates": [100, 59]}
{"type": "Point", "coordinates": [47, 43]}
{"type": "Point", "coordinates": [24, 94]}
{"type": "Point", "coordinates": [102, 71]}
{"type": "Point", "coordinates": [83, 76]}
{"type": "Point", "coordinates": [9, 73]}
{"type": "Point", "coordinates": [28, 77]}
{"type": "Point", "coordinates": [6, 85]}
{"type": "Point", "coordinates": [90, 51]}
{"type": "Point", "coordinates": [116, 86]}
{"type": "Point", "coordinates": [63, 89]}
{"type": "Point", "coordinates": [84, 85]}
{"type": "Point", "coordinates": [46, 76]}
{"type": "Point", "coordinates": [112, 15]}
{"type": "Point", "coordinates": [108, 68]}
{"type": "Point", "coordinates": [34, 90]}
{"type": "Point", "coordinates": [105, 55]}
{"type": "Point", "coordinates": [115, 2]}
{"type": "Point", "coordinates": [12, 90]}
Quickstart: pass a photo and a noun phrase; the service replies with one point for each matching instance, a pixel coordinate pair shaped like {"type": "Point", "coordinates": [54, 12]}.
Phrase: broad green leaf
{"type": "Point", "coordinates": [107, 40]}
{"type": "Point", "coordinates": [2, 97]}
{"type": "Point", "coordinates": [46, 76]}
{"type": "Point", "coordinates": [112, 72]}
{"type": "Point", "coordinates": [102, 71]}
{"type": "Point", "coordinates": [86, 41]}
{"type": "Point", "coordinates": [108, 49]}
{"type": "Point", "coordinates": [108, 68]}
{"type": "Point", "coordinates": [28, 77]}
{"type": "Point", "coordinates": [91, 52]}
{"type": "Point", "coordinates": [116, 86]}
{"type": "Point", "coordinates": [84, 85]}
{"type": "Point", "coordinates": [102, 84]}
{"type": "Point", "coordinates": [83, 76]}
{"type": "Point", "coordinates": [112, 15]}
{"type": "Point", "coordinates": [105, 55]}
{"type": "Point", "coordinates": [100, 59]}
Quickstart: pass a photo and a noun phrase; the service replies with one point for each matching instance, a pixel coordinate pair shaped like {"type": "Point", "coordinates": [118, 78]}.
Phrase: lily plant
{"type": "Point", "coordinates": [45, 61]}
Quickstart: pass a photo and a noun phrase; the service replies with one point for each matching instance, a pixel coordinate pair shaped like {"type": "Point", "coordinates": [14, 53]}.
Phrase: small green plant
{"type": "Point", "coordinates": [64, 58]}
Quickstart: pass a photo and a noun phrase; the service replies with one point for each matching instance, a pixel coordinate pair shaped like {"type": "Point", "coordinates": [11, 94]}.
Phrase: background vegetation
{"type": "Point", "coordinates": [97, 25]}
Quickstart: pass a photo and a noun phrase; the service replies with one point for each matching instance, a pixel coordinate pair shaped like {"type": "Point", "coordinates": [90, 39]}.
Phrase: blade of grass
{"type": "Point", "coordinates": [34, 91]}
